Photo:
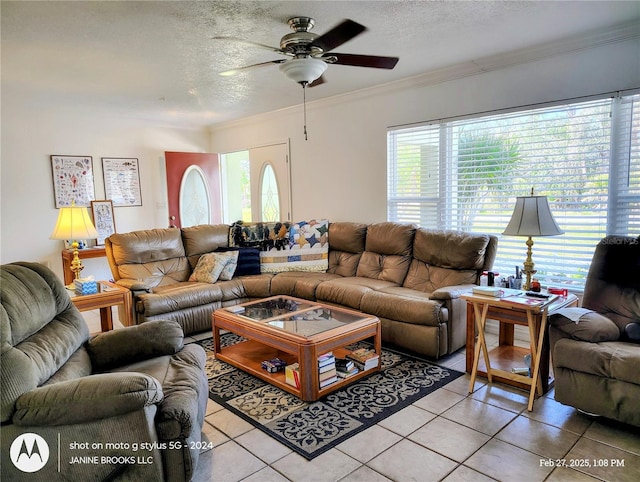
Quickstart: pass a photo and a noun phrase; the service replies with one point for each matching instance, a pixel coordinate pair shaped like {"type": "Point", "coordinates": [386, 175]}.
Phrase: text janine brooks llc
{"type": "Point", "coordinates": [111, 460]}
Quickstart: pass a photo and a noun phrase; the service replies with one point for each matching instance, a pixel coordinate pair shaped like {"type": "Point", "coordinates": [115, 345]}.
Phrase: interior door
{"type": "Point", "coordinates": [193, 189]}
{"type": "Point", "coordinates": [270, 183]}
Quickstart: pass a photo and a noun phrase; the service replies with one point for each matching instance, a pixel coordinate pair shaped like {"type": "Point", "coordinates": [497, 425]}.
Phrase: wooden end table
{"type": "Point", "coordinates": [499, 361]}
{"type": "Point", "coordinates": [300, 332]}
{"type": "Point", "coordinates": [108, 295]}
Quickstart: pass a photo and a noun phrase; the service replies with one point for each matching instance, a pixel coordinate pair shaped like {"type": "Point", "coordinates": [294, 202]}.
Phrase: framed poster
{"type": "Point", "coordinates": [103, 220]}
{"type": "Point", "coordinates": [72, 180]}
{"type": "Point", "coordinates": [122, 181]}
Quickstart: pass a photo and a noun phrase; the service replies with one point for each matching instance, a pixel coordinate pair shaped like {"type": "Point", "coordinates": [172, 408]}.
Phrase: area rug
{"type": "Point", "coordinates": [311, 428]}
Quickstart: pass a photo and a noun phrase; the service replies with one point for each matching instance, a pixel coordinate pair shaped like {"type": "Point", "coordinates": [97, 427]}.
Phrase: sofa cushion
{"type": "Point", "coordinates": [390, 238]}
{"type": "Point", "coordinates": [450, 249]}
{"type": "Point", "coordinates": [348, 291]}
{"type": "Point", "coordinates": [299, 284]}
{"type": "Point", "coordinates": [348, 237]}
{"type": "Point", "coordinates": [165, 299]}
{"type": "Point", "coordinates": [397, 303]}
{"type": "Point", "coordinates": [383, 267]}
{"type": "Point", "coordinates": [155, 256]}
{"type": "Point", "coordinates": [591, 327]}
{"type": "Point", "coordinates": [611, 359]}
{"type": "Point", "coordinates": [147, 246]}
{"type": "Point", "coordinates": [343, 263]}
{"type": "Point", "coordinates": [204, 238]}
{"type": "Point", "coordinates": [428, 278]}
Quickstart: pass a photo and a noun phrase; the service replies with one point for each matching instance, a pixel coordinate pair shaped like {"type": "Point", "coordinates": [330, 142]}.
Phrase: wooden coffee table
{"type": "Point", "coordinates": [293, 330]}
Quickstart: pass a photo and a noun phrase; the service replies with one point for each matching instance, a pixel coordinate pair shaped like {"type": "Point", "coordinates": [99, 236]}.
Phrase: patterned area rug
{"type": "Point", "coordinates": [311, 428]}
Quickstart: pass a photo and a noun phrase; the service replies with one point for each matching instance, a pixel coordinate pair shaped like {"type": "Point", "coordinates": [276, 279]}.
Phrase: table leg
{"type": "Point", "coordinates": [536, 359]}
{"type": "Point", "coordinates": [106, 319]}
{"type": "Point", "coordinates": [481, 319]}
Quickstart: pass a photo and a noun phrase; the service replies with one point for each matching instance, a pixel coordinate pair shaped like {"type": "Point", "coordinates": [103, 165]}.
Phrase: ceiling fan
{"type": "Point", "coordinates": [310, 53]}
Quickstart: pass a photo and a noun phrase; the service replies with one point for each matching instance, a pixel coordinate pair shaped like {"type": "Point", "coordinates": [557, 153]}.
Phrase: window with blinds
{"type": "Point", "coordinates": [465, 174]}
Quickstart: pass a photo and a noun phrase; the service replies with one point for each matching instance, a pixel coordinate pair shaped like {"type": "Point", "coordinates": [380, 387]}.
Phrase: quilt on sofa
{"type": "Point", "coordinates": [302, 246]}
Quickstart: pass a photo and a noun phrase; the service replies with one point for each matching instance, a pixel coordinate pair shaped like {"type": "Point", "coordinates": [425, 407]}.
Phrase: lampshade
{"type": "Point", "coordinates": [532, 217]}
{"type": "Point", "coordinates": [304, 70]}
{"type": "Point", "coordinates": [74, 223]}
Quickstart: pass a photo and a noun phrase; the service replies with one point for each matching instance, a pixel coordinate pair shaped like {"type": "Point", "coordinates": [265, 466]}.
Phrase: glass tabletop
{"type": "Point", "coordinates": [297, 316]}
{"type": "Point", "coordinates": [314, 321]}
{"type": "Point", "coordinates": [272, 307]}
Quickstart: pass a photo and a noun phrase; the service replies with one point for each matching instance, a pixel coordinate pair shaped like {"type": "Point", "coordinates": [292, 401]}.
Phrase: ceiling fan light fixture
{"type": "Point", "coordinates": [303, 71]}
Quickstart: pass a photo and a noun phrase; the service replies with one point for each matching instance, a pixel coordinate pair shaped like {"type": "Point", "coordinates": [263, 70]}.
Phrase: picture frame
{"type": "Point", "coordinates": [103, 219]}
{"type": "Point", "coordinates": [72, 180]}
{"type": "Point", "coordinates": [122, 181]}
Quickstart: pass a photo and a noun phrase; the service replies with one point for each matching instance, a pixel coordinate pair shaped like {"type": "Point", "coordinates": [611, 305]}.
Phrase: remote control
{"type": "Point", "coordinates": [537, 295]}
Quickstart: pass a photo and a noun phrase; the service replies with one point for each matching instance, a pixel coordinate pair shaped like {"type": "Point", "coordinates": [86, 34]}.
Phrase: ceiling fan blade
{"type": "Point", "coordinates": [319, 81]}
{"type": "Point", "coordinates": [375, 61]}
{"type": "Point", "coordinates": [227, 73]}
{"type": "Point", "coordinates": [338, 35]}
{"type": "Point", "coordinates": [249, 42]}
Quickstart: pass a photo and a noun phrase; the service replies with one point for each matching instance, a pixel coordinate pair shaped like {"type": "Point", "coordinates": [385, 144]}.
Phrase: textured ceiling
{"type": "Point", "coordinates": [157, 60]}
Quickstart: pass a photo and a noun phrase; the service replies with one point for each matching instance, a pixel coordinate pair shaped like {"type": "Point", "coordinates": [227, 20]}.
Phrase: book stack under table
{"type": "Point", "coordinates": [327, 373]}
{"type": "Point", "coordinates": [364, 358]}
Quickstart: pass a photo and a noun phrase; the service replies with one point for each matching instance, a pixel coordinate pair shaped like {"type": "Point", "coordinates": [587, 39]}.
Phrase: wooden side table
{"type": "Point", "coordinates": [498, 362]}
{"type": "Point", "coordinates": [85, 253]}
{"type": "Point", "coordinates": [108, 295]}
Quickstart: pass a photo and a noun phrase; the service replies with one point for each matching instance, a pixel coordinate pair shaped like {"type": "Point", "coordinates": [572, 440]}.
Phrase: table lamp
{"type": "Point", "coordinates": [531, 217]}
{"type": "Point", "coordinates": [74, 223]}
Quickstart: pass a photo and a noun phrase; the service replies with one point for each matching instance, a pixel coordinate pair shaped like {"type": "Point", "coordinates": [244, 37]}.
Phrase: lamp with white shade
{"type": "Point", "coordinates": [74, 223]}
{"type": "Point", "coordinates": [531, 217]}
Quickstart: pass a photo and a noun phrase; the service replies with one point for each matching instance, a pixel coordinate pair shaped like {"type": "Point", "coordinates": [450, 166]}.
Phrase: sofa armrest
{"type": "Point", "coordinates": [450, 292]}
{"type": "Point", "coordinates": [135, 343]}
{"type": "Point", "coordinates": [137, 285]}
{"type": "Point", "coordinates": [591, 327]}
{"type": "Point", "coordinates": [86, 399]}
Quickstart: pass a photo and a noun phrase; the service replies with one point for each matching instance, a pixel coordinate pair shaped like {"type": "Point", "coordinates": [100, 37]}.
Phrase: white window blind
{"type": "Point", "coordinates": [466, 174]}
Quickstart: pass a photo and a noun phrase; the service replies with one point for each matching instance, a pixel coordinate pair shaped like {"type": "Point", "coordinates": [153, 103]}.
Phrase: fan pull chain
{"type": "Point", "coordinates": [304, 108]}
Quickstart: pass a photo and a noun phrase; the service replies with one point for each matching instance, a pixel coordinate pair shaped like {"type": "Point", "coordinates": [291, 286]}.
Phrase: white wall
{"type": "Point", "coordinates": [31, 134]}
{"type": "Point", "coordinates": [340, 172]}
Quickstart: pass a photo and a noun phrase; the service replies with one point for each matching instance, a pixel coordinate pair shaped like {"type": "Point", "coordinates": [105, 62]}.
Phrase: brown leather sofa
{"type": "Point", "coordinates": [596, 360]}
{"type": "Point", "coordinates": [409, 277]}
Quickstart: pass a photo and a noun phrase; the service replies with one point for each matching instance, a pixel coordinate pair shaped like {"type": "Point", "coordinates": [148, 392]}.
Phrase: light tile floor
{"type": "Point", "coordinates": [449, 435]}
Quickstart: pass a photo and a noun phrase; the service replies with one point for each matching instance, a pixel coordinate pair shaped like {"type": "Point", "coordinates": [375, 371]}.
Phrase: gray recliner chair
{"type": "Point", "coordinates": [596, 360]}
{"type": "Point", "coordinates": [124, 405]}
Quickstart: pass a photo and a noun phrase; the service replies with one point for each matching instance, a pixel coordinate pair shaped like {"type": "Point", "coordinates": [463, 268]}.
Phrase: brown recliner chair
{"type": "Point", "coordinates": [124, 405]}
{"type": "Point", "coordinates": [596, 361]}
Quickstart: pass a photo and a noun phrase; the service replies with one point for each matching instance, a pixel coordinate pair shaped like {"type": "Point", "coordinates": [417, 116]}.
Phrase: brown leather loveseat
{"type": "Point", "coordinates": [409, 277]}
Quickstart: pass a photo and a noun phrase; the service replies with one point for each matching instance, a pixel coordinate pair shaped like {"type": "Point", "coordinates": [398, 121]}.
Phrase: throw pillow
{"type": "Point", "coordinates": [592, 327]}
{"type": "Point", "coordinates": [248, 260]}
{"type": "Point", "coordinates": [210, 267]}
{"type": "Point", "coordinates": [231, 264]}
